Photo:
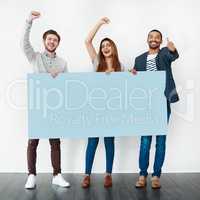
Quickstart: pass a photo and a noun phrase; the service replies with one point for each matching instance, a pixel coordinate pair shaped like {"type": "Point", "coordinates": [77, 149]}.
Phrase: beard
{"type": "Point", "coordinates": [50, 50]}
{"type": "Point", "coordinates": [154, 46]}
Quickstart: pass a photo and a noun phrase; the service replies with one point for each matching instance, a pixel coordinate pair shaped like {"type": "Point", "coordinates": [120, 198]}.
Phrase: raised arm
{"type": "Point", "coordinates": [173, 53]}
{"type": "Point", "coordinates": [88, 42]}
{"type": "Point", "coordinates": [26, 45]}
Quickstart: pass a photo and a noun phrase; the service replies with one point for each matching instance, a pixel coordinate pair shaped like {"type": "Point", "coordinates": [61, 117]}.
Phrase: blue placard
{"type": "Point", "coordinates": [96, 104]}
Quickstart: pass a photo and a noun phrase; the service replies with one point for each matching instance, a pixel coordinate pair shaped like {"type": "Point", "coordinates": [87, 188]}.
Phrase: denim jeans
{"type": "Point", "coordinates": [91, 149]}
{"type": "Point", "coordinates": [145, 146]}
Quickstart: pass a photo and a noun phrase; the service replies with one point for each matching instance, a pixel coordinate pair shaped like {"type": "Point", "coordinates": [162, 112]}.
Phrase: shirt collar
{"type": "Point", "coordinates": [50, 56]}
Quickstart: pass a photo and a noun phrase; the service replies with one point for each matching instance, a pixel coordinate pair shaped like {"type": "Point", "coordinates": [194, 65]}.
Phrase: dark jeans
{"type": "Point", "coordinates": [32, 155]}
{"type": "Point", "coordinates": [91, 149]}
{"type": "Point", "coordinates": [159, 154]}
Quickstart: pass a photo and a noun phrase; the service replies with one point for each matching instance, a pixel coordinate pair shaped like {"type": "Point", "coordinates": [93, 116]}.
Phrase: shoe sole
{"type": "Point", "coordinates": [142, 186]}
{"type": "Point", "coordinates": [107, 186]}
{"type": "Point", "coordinates": [61, 186]}
{"type": "Point", "coordinates": [85, 187]}
{"type": "Point", "coordinates": [30, 188]}
{"type": "Point", "coordinates": [156, 188]}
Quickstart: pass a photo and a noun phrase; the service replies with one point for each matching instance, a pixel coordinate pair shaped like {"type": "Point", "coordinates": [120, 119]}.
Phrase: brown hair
{"type": "Point", "coordinates": [51, 32]}
{"type": "Point", "coordinates": [102, 66]}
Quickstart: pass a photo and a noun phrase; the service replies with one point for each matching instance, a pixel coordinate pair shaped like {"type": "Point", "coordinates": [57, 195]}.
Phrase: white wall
{"type": "Point", "coordinates": [131, 21]}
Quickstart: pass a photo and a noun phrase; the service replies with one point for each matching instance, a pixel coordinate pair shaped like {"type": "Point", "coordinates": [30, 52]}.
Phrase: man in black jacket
{"type": "Point", "coordinates": [156, 59]}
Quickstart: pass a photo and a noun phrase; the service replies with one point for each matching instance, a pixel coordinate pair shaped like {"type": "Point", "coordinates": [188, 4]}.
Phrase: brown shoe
{"type": "Point", "coordinates": [155, 182]}
{"type": "Point", "coordinates": [108, 181]}
{"type": "Point", "coordinates": [142, 182]}
{"type": "Point", "coordinates": [86, 182]}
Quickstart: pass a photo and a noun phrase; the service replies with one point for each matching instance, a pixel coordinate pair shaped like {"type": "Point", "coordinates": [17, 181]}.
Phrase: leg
{"type": "Point", "coordinates": [55, 155]}
{"type": "Point", "coordinates": [90, 152]}
{"type": "Point", "coordinates": [110, 148]}
{"type": "Point", "coordinates": [160, 148]}
{"type": "Point", "coordinates": [32, 155]}
{"type": "Point", "coordinates": [144, 154]}
{"type": "Point", "coordinates": [159, 155]}
{"type": "Point", "coordinates": [56, 163]}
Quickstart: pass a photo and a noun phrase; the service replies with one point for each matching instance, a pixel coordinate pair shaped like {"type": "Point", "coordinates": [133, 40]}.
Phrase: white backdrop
{"type": "Point", "coordinates": [130, 22]}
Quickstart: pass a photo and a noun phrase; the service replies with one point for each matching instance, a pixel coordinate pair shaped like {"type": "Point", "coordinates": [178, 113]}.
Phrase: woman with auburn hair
{"type": "Point", "coordinates": [105, 61]}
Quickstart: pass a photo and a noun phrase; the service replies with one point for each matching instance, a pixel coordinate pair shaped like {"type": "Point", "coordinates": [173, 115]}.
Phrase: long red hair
{"type": "Point", "coordinates": [102, 66]}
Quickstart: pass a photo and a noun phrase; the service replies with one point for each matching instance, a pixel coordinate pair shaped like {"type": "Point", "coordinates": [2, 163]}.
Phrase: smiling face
{"type": "Point", "coordinates": [51, 42]}
{"type": "Point", "coordinates": [154, 40]}
{"type": "Point", "coordinates": [106, 49]}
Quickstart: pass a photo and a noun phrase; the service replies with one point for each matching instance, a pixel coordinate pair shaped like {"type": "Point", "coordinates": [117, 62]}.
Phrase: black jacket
{"type": "Point", "coordinates": [163, 62]}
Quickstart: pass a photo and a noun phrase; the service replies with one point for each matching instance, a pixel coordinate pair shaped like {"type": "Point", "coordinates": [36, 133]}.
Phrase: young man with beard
{"type": "Point", "coordinates": [156, 59]}
{"type": "Point", "coordinates": [45, 62]}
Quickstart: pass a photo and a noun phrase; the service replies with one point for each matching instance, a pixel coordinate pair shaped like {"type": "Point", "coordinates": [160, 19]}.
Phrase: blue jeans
{"type": "Point", "coordinates": [91, 149]}
{"type": "Point", "coordinates": [159, 154]}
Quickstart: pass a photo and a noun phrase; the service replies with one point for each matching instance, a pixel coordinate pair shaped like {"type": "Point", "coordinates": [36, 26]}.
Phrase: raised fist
{"type": "Point", "coordinates": [170, 45]}
{"type": "Point", "coordinates": [104, 20]}
{"type": "Point", "coordinates": [34, 15]}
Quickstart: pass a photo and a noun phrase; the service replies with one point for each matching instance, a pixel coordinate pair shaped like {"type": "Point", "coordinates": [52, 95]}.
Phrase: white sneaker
{"type": "Point", "coordinates": [31, 182]}
{"type": "Point", "coordinates": [60, 181]}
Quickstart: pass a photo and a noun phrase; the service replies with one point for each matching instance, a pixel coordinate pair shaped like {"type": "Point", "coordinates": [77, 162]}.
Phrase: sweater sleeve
{"type": "Point", "coordinates": [25, 43]}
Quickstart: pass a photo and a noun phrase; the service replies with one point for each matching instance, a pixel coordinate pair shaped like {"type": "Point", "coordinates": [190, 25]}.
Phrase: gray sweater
{"type": "Point", "coordinates": [41, 62]}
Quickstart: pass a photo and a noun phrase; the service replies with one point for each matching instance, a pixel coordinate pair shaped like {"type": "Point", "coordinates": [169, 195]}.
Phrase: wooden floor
{"type": "Point", "coordinates": [174, 187]}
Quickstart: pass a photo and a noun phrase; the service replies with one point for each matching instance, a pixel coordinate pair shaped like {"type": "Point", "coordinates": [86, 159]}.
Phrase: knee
{"type": "Point", "coordinates": [160, 145]}
{"type": "Point", "coordinates": [161, 141]}
{"type": "Point", "coordinates": [145, 143]}
{"type": "Point", "coordinates": [55, 144]}
{"type": "Point", "coordinates": [109, 142]}
{"type": "Point", "coordinates": [109, 139]}
{"type": "Point", "coordinates": [92, 142]}
{"type": "Point", "coordinates": [32, 144]}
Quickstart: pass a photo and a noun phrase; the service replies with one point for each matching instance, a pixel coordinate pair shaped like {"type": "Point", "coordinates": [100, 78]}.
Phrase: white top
{"type": "Point", "coordinates": [151, 62]}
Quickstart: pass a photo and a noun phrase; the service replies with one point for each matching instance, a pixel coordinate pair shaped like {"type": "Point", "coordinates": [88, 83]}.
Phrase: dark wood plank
{"type": "Point", "coordinates": [174, 187]}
